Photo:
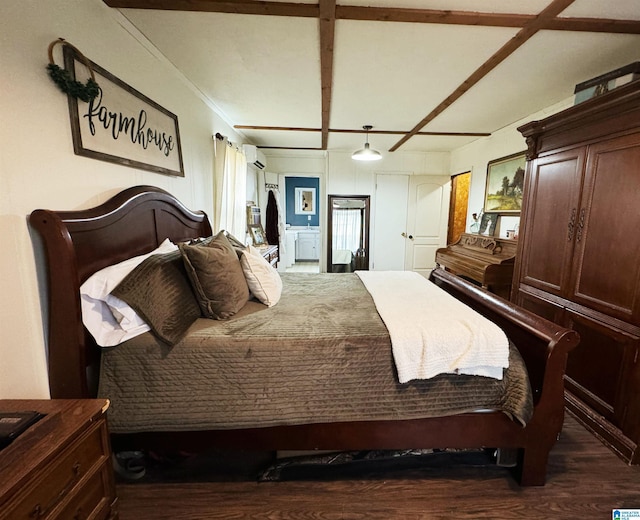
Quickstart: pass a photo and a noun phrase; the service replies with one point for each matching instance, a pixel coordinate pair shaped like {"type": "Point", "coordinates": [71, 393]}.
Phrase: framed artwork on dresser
{"type": "Point", "coordinates": [257, 234]}
{"type": "Point", "coordinates": [505, 179]}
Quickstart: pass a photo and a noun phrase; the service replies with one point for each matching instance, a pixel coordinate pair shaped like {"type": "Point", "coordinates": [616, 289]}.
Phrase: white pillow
{"type": "Point", "coordinates": [110, 320]}
{"type": "Point", "coordinates": [263, 280]}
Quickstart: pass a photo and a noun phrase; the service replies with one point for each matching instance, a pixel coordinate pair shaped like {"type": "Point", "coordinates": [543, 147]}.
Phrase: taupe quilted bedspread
{"type": "Point", "coordinates": [322, 354]}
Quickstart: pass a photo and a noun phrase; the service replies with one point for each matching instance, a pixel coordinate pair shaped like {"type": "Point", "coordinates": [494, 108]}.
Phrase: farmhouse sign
{"type": "Point", "coordinates": [122, 125]}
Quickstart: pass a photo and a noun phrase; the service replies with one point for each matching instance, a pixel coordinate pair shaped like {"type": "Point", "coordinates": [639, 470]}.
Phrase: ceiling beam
{"type": "Point", "coordinates": [265, 147]}
{"type": "Point", "coordinates": [327, 35]}
{"type": "Point", "coordinates": [222, 6]}
{"type": "Point", "coordinates": [278, 128]}
{"type": "Point", "coordinates": [523, 35]}
{"type": "Point", "coordinates": [602, 25]}
{"type": "Point", "coordinates": [359, 131]}
{"type": "Point", "coordinates": [397, 14]}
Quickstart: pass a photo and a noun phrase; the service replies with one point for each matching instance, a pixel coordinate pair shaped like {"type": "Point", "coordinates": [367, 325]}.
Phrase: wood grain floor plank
{"type": "Point", "coordinates": [585, 480]}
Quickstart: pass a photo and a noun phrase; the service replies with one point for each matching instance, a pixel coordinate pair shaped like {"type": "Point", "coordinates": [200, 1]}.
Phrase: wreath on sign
{"type": "Point", "coordinates": [62, 77]}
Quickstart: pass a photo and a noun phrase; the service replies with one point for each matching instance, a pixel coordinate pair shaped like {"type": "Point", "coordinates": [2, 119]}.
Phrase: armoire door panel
{"type": "Point", "coordinates": [597, 368]}
{"type": "Point", "coordinates": [608, 221]}
{"type": "Point", "coordinates": [554, 198]}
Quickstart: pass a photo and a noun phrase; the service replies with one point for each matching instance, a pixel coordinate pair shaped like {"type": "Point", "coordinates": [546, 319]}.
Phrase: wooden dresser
{"type": "Point", "coordinates": [60, 467]}
{"type": "Point", "coordinates": [578, 261]}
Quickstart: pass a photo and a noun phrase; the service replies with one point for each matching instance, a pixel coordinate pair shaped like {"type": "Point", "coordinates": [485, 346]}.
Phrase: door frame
{"type": "Point", "coordinates": [453, 227]}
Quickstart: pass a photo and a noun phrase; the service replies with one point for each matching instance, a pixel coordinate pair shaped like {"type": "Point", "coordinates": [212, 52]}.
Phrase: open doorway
{"type": "Point", "coordinates": [302, 224]}
{"type": "Point", "coordinates": [458, 204]}
{"type": "Point", "coordinates": [347, 233]}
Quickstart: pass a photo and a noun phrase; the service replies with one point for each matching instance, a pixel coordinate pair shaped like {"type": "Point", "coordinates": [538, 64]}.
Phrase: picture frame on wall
{"type": "Point", "coordinates": [305, 201]}
{"type": "Point", "coordinates": [257, 235]}
{"type": "Point", "coordinates": [122, 125]}
{"type": "Point", "coordinates": [505, 182]}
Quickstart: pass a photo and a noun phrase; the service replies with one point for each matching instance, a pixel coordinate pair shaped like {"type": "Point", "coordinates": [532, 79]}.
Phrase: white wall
{"type": "Point", "coordinates": [349, 177]}
{"type": "Point", "coordinates": [38, 168]}
{"type": "Point", "coordinates": [475, 157]}
{"type": "Point", "coordinates": [340, 175]}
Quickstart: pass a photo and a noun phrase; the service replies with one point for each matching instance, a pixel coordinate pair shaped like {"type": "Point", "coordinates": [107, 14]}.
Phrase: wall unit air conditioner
{"type": "Point", "coordinates": [254, 156]}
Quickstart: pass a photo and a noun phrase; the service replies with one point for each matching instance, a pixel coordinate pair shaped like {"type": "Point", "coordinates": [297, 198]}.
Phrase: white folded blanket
{"type": "Point", "coordinates": [431, 331]}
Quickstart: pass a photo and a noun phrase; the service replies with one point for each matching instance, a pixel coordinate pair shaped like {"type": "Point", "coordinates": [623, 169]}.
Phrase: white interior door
{"type": "Point", "coordinates": [427, 219]}
{"type": "Point", "coordinates": [390, 221]}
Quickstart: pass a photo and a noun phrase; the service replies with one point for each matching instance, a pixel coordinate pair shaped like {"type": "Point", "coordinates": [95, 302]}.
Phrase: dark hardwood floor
{"type": "Point", "coordinates": [585, 481]}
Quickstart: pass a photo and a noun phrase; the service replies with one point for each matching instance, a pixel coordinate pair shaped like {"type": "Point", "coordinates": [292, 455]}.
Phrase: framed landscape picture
{"type": "Point", "coordinates": [505, 180]}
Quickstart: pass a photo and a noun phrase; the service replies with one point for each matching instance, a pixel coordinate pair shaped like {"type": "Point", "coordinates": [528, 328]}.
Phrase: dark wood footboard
{"type": "Point", "coordinates": [544, 346]}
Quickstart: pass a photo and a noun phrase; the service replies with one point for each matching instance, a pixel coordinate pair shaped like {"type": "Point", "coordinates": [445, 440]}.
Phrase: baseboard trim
{"type": "Point", "coordinates": [607, 433]}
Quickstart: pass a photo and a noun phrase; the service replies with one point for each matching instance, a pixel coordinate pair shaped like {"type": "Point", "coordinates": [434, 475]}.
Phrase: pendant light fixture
{"type": "Point", "coordinates": [366, 153]}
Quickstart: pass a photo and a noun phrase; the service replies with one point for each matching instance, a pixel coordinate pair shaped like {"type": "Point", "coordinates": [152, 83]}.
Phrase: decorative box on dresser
{"type": "Point", "coordinates": [578, 260]}
{"type": "Point", "coordinates": [60, 467]}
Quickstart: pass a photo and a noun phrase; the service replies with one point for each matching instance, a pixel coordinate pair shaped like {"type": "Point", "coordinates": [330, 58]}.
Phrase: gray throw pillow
{"type": "Point", "coordinates": [216, 277]}
{"type": "Point", "coordinates": [160, 292]}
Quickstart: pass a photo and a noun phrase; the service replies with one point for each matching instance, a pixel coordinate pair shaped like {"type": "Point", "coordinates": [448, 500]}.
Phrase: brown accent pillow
{"type": "Point", "coordinates": [216, 277]}
{"type": "Point", "coordinates": [235, 243]}
{"type": "Point", "coordinates": [160, 292]}
{"type": "Point", "coordinates": [238, 246]}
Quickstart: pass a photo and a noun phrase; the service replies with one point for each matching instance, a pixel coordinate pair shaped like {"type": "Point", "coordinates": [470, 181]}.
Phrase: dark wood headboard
{"type": "Point", "coordinates": [79, 243]}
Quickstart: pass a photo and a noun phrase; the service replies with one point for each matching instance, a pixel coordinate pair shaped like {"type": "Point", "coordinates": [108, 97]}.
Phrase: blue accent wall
{"type": "Point", "coordinates": [291, 183]}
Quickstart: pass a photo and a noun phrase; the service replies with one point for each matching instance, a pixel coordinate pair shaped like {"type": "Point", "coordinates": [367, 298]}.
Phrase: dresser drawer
{"type": "Point", "coordinates": [93, 501]}
{"type": "Point", "coordinates": [62, 478]}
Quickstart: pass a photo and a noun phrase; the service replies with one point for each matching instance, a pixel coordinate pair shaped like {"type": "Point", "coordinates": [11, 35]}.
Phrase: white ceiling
{"type": "Point", "coordinates": [264, 70]}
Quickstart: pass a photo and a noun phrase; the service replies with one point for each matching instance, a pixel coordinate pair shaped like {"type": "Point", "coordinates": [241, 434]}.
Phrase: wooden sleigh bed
{"type": "Point", "coordinates": [76, 244]}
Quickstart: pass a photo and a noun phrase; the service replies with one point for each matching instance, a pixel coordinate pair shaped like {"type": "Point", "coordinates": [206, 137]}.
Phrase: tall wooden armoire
{"type": "Point", "coordinates": [578, 260]}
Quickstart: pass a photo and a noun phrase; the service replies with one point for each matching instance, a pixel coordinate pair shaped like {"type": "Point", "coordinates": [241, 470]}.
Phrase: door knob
{"type": "Point", "coordinates": [410, 237]}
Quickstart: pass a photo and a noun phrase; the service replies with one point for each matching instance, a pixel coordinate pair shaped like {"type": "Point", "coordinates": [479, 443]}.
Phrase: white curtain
{"type": "Point", "coordinates": [230, 189]}
{"type": "Point", "coordinates": [346, 229]}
